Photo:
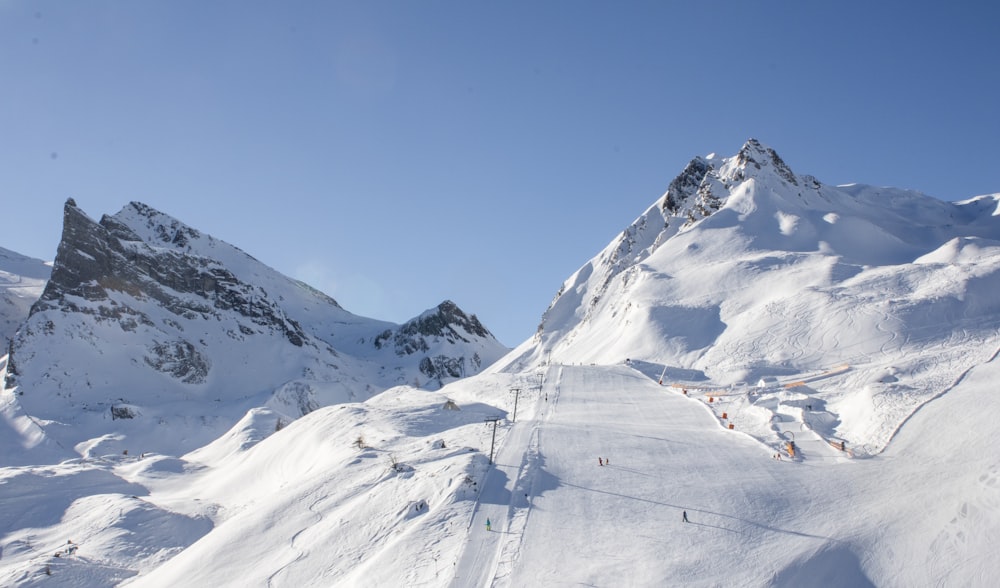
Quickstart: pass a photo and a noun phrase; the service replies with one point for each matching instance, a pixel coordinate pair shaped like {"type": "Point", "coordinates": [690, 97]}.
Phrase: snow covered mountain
{"type": "Point", "coordinates": [744, 272]}
{"type": "Point", "coordinates": [803, 372]}
{"type": "Point", "coordinates": [22, 280]}
{"type": "Point", "coordinates": [153, 336]}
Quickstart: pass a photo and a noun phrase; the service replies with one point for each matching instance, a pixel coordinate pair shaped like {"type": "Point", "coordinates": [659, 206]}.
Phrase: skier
{"type": "Point", "coordinates": [600, 461]}
{"type": "Point", "coordinates": [488, 526]}
{"type": "Point", "coordinates": [684, 517]}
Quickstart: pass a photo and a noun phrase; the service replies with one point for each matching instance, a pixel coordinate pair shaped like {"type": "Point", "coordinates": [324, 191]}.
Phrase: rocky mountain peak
{"type": "Point", "coordinates": [452, 316]}
{"type": "Point", "coordinates": [95, 258]}
{"type": "Point", "coordinates": [705, 183]}
{"type": "Point", "coordinates": [162, 227]}
{"type": "Point", "coordinates": [82, 258]}
{"type": "Point", "coordinates": [755, 157]}
{"type": "Point", "coordinates": [445, 324]}
{"type": "Point", "coordinates": [744, 236]}
{"type": "Point", "coordinates": [446, 321]}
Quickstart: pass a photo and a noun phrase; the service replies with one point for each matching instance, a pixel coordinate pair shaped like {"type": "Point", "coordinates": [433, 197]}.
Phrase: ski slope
{"type": "Point", "coordinates": [304, 507]}
{"type": "Point", "coordinates": [560, 519]}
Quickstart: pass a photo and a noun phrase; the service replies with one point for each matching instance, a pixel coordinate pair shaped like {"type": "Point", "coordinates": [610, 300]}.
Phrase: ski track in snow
{"type": "Point", "coordinates": [300, 554]}
{"type": "Point", "coordinates": [505, 500]}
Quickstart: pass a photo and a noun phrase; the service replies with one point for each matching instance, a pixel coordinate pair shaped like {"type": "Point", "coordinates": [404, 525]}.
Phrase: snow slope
{"type": "Point", "coordinates": [805, 370]}
{"type": "Point", "coordinates": [21, 282]}
{"type": "Point", "coordinates": [306, 506]}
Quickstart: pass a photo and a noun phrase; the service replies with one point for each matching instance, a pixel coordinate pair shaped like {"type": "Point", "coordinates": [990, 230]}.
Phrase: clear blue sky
{"type": "Point", "coordinates": [397, 154]}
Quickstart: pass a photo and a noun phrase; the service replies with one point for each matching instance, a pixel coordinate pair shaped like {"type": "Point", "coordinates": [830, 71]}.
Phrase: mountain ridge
{"type": "Point", "coordinates": [142, 312]}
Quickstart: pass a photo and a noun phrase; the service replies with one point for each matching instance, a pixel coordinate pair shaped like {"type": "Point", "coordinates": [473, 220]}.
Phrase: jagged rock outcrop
{"type": "Point", "coordinates": [144, 310]}
{"type": "Point", "coordinates": [685, 185]}
{"type": "Point", "coordinates": [447, 322]}
{"type": "Point", "coordinates": [758, 156]}
{"type": "Point", "coordinates": [94, 258]}
{"type": "Point", "coordinates": [702, 188]}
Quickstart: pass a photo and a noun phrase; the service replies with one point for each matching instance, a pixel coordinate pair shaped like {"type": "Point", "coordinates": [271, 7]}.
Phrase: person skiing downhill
{"type": "Point", "coordinates": [684, 517]}
{"type": "Point", "coordinates": [488, 524]}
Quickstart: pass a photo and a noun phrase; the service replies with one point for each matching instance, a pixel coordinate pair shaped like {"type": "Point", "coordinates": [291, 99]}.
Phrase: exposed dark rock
{"type": "Point", "coordinates": [442, 366]}
{"type": "Point", "coordinates": [685, 185]}
{"type": "Point", "coordinates": [94, 258]}
{"type": "Point", "coordinates": [447, 322]}
{"type": "Point", "coordinates": [123, 412]}
{"type": "Point", "coordinates": [756, 155]}
{"type": "Point", "coordinates": [181, 360]}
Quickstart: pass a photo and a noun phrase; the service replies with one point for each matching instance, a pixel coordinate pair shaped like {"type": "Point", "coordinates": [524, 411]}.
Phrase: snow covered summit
{"type": "Point", "coordinates": [744, 271]}
{"type": "Point", "coordinates": [153, 336]}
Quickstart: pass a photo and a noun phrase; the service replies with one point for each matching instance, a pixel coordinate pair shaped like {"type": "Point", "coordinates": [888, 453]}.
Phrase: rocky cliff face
{"type": "Point", "coordinates": [108, 273]}
{"type": "Point", "coordinates": [95, 258]}
{"type": "Point", "coordinates": [144, 314]}
{"type": "Point", "coordinates": [446, 323]}
{"type": "Point", "coordinates": [703, 187]}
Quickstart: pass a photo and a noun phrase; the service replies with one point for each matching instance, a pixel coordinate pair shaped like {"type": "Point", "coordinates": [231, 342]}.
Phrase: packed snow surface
{"type": "Point", "coordinates": [396, 491]}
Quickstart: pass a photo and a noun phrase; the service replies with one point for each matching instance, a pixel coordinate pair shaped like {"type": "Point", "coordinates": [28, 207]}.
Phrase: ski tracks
{"type": "Point", "coordinates": [490, 556]}
{"type": "Point", "coordinates": [518, 512]}
{"type": "Point", "coordinates": [358, 493]}
{"type": "Point", "coordinates": [318, 517]}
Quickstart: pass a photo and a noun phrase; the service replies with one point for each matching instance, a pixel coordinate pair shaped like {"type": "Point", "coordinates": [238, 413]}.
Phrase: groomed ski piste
{"type": "Point", "coordinates": [818, 518]}
{"type": "Point", "coordinates": [397, 491]}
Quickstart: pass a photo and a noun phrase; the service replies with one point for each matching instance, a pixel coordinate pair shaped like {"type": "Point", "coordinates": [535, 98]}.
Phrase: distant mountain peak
{"type": "Point", "coordinates": [445, 321]}
{"type": "Point", "coordinates": [444, 324]}
{"type": "Point", "coordinates": [451, 316]}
